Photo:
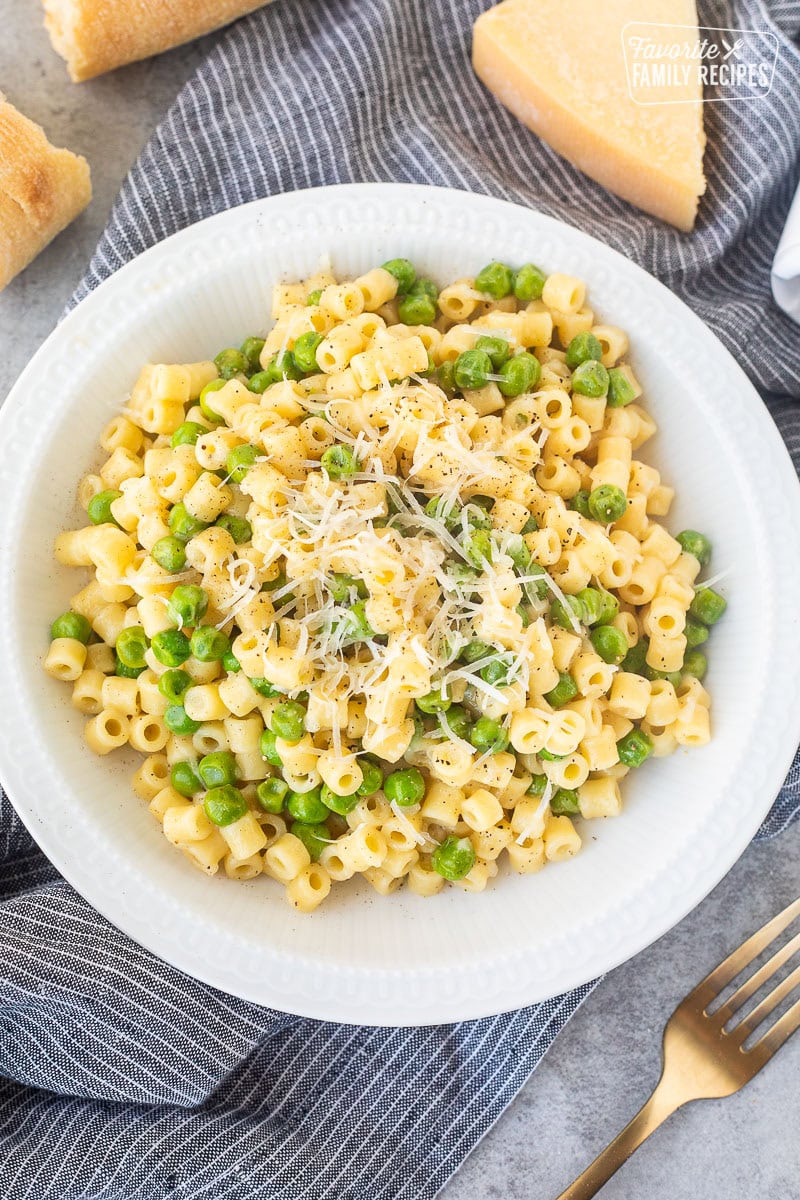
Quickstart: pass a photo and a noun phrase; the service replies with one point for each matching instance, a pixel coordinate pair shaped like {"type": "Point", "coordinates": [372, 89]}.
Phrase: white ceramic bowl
{"type": "Point", "coordinates": [402, 959]}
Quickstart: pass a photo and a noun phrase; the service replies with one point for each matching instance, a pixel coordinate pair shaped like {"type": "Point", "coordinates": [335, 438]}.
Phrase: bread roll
{"type": "Point", "coordinates": [98, 35]}
{"type": "Point", "coordinates": [42, 189]}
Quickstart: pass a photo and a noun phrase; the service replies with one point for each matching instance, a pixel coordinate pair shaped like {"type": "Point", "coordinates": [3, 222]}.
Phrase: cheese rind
{"type": "Point", "coordinates": [559, 66]}
{"type": "Point", "coordinates": [42, 189]}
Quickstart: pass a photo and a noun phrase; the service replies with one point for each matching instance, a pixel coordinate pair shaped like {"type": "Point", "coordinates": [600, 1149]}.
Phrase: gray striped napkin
{"type": "Point", "coordinates": [125, 1079]}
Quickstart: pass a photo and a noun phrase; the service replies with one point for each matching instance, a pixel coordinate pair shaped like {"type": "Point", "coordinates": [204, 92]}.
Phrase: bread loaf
{"type": "Point", "coordinates": [94, 36]}
{"type": "Point", "coordinates": [42, 189]}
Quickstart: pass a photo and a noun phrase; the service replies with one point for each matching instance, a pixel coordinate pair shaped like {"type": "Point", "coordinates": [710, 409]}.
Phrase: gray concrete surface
{"type": "Point", "coordinates": [602, 1066]}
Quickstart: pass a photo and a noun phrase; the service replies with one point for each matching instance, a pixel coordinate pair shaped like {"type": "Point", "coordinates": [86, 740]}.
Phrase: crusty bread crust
{"type": "Point", "coordinates": [42, 189]}
{"type": "Point", "coordinates": [94, 36]}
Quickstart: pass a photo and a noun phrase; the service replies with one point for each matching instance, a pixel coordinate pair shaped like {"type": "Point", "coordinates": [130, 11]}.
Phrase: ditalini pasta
{"type": "Point", "coordinates": [385, 592]}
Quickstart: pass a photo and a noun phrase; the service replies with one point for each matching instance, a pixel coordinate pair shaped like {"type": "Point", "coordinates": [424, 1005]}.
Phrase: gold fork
{"type": "Point", "coordinates": [701, 1059]}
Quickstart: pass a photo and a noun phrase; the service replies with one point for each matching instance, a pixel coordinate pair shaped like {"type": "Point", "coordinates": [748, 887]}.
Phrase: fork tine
{"type": "Point", "coordinates": [753, 1019]}
{"type": "Point", "coordinates": [750, 986]}
{"type": "Point", "coordinates": [780, 1032]}
{"type": "Point", "coordinates": [730, 967]}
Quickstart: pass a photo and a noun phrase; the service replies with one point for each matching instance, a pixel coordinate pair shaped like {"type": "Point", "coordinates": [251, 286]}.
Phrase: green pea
{"type": "Point", "coordinates": [339, 804]}
{"type": "Point", "coordinates": [218, 768]}
{"type": "Point", "coordinates": [695, 633]}
{"type": "Point", "coordinates": [355, 626]}
{"type": "Point", "coordinates": [339, 462]}
{"type": "Point", "coordinates": [239, 461]}
{"type": "Point", "coordinates": [530, 526]}
{"type": "Point", "coordinates": [230, 362]}
{"type": "Point", "coordinates": [404, 273]}
{"type": "Point", "coordinates": [271, 794]}
{"type": "Point", "coordinates": [208, 412]}
{"type": "Point", "coordinates": [283, 366]}
{"type": "Point", "coordinates": [488, 734]}
{"type": "Point", "coordinates": [424, 287]}
{"type": "Point", "coordinates": [584, 346]}
{"type": "Point", "coordinates": [269, 749]}
{"type": "Point", "coordinates": [314, 297]}
{"type": "Point", "coordinates": [288, 721]}
{"type": "Point", "coordinates": [174, 684]}
{"type": "Point", "coordinates": [529, 282]}
{"type": "Point", "coordinates": [314, 837]}
{"type": "Point", "coordinates": [342, 587]}
{"type": "Point", "coordinates": [437, 700]}
{"type": "Point", "coordinates": [171, 647]}
{"type": "Point", "coordinates": [495, 280]}
{"type": "Point", "coordinates": [540, 590]}
{"type": "Point", "coordinates": [187, 604]}
{"type": "Point", "coordinates": [177, 720]}
{"type": "Point", "coordinates": [224, 805]}
{"type": "Point", "coordinates": [458, 719]}
{"type": "Point", "coordinates": [635, 660]}
{"type": "Point", "coordinates": [590, 379]}
{"type": "Point", "coordinates": [209, 644]}
{"type": "Point", "coordinates": [183, 525]}
{"type": "Point", "coordinates": [417, 309]}
{"type": "Point", "coordinates": [565, 690]}
{"type": "Point", "coordinates": [126, 672]}
{"type": "Point", "coordinates": [305, 352]}
{"type": "Point", "coordinates": [231, 663]}
{"type": "Point", "coordinates": [264, 687]}
{"type": "Point", "coordinates": [562, 611]}
{"type": "Point", "coordinates": [697, 544]}
{"type": "Point", "coordinates": [517, 550]}
{"type": "Point", "coordinates": [372, 777]}
{"type": "Point", "coordinates": [580, 503]}
{"type": "Point", "coordinates": [259, 382]}
{"type": "Point", "coordinates": [170, 553]}
{"type": "Point", "coordinates": [187, 434]}
{"type": "Point", "coordinates": [185, 780]}
{"type": "Point", "coordinates": [454, 858]}
{"type": "Point", "coordinates": [695, 663]}
{"type": "Point", "coordinates": [496, 672]}
{"type": "Point", "coordinates": [478, 547]}
{"type": "Point", "coordinates": [445, 376]}
{"type": "Point", "coordinates": [564, 802]}
{"type": "Point", "coordinates": [132, 646]}
{"type": "Point", "coordinates": [607, 503]}
{"type": "Point", "coordinates": [520, 374]}
{"type": "Point", "coordinates": [239, 528]}
{"type": "Point", "coordinates": [71, 625]}
{"type": "Point", "coordinates": [475, 650]}
{"type": "Point", "coordinates": [99, 508]}
{"type": "Point", "coordinates": [620, 389]}
{"type": "Point", "coordinates": [634, 748]}
{"type": "Point", "coordinates": [250, 350]}
{"type": "Point", "coordinates": [537, 785]}
{"type": "Point", "coordinates": [306, 806]}
{"type": "Point", "coordinates": [471, 370]}
{"type": "Point", "coordinates": [708, 606]}
{"type": "Point", "coordinates": [406, 787]}
{"type": "Point", "coordinates": [610, 643]}
{"type": "Point", "coordinates": [497, 348]}
{"type": "Point", "coordinates": [599, 606]}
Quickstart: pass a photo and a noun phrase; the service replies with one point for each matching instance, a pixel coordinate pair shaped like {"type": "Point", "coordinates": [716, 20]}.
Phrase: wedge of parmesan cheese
{"type": "Point", "coordinates": [560, 67]}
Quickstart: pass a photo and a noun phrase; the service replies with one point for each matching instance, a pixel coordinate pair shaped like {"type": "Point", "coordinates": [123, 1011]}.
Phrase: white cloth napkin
{"type": "Point", "coordinates": [786, 265]}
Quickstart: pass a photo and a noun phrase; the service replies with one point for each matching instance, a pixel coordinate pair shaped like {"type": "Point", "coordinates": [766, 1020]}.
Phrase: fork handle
{"type": "Point", "coordinates": [653, 1113]}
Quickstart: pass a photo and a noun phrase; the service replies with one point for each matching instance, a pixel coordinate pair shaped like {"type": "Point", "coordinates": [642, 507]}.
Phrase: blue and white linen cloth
{"type": "Point", "coordinates": [124, 1079]}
